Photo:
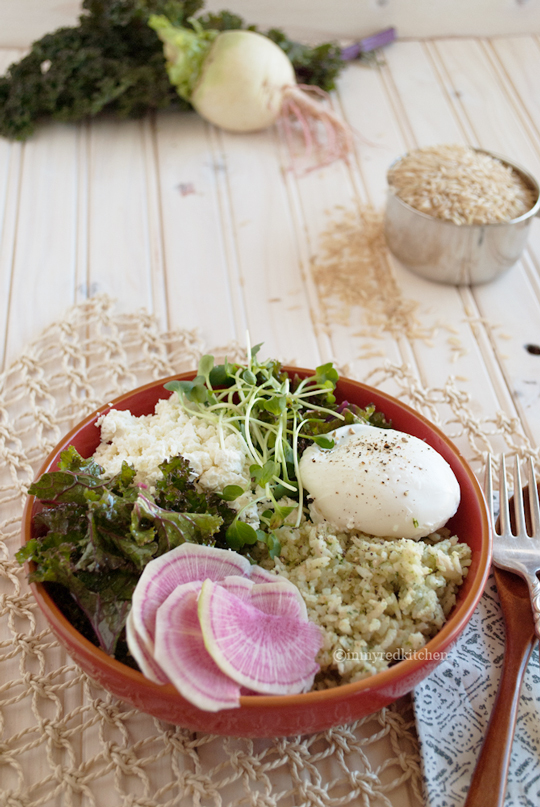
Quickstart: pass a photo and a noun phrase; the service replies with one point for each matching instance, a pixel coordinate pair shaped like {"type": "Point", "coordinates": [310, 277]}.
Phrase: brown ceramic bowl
{"type": "Point", "coordinates": [274, 716]}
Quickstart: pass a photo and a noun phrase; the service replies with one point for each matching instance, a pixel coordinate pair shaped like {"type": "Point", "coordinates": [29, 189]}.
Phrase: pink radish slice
{"type": "Point", "coordinates": [239, 586]}
{"type": "Point", "coordinates": [181, 565]}
{"type": "Point", "coordinates": [280, 598]}
{"type": "Point", "coordinates": [180, 651]}
{"type": "Point", "coordinates": [261, 575]}
{"type": "Point", "coordinates": [270, 654]}
{"type": "Point", "coordinates": [147, 664]}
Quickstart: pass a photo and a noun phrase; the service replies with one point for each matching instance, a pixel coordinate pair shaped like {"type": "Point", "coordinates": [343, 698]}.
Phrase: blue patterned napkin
{"type": "Point", "coordinates": [453, 707]}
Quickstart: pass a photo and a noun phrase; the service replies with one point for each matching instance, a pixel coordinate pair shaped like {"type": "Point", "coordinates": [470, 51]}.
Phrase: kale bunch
{"type": "Point", "coordinates": [113, 62]}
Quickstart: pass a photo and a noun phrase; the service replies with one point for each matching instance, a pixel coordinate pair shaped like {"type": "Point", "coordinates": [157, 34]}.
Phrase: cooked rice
{"type": "Point", "coordinates": [377, 600]}
{"type": "Point", "coordinates": [457, 183]}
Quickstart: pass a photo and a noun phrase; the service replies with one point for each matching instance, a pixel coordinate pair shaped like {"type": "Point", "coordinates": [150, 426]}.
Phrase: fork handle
{"type": "Point", "coordinates": [489, 779]}
{"type": "Point", "coordinates": [534, 591]}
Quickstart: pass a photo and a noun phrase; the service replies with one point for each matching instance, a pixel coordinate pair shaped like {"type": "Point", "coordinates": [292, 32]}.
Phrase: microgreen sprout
{"type": "Point", "coordinates": [276, 416]}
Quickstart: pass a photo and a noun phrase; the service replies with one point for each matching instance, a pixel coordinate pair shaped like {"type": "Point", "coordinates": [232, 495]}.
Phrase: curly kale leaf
{"type": "Point", "coordinates": [177, 492]}
{"type": "Point", "coordinates": [104, 598]}
{"type": "Point", "coordinates": [110, 62]}
{"type": "Point", "coordinates": [113, 62]}
{"type": "Point", "coordinates": [79, 480]}
{"type": "Point", "coordinates": [94, 536]}
{"type": "Point", "coordinates": [171, 528]}
{"type": "Point", "coordinates": [319, 65]}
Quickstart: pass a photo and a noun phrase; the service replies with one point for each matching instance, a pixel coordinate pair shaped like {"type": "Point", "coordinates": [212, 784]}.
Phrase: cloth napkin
{"type": "Point", "coordinates": [453, 706]}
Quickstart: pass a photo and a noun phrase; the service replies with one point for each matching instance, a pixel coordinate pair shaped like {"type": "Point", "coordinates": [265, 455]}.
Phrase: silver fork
{"type": "Point", "coordinates": [513, 555]}
{"type": "Point", "coordinates": [519, 553]}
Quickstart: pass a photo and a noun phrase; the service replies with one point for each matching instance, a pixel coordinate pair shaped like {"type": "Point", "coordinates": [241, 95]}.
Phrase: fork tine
{"type": "Point", "coordinates": [504, 513]}
{"type": "Point", "coordinates": [533, 499]}
{"type": "Point", "coordinates": [521, 525]}
{"type": "Point", "coordinates": [488, 488]}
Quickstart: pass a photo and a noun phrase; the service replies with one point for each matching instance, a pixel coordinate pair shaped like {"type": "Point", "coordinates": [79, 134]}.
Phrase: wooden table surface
{"type": "Point", "coordinates": [210, 231]}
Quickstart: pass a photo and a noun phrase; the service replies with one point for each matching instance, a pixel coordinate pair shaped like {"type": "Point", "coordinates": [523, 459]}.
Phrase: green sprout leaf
{"type": "Point", "coordinates": [276, 405]}
{"type": "Point", "coordinates": [181, 387]}
{"type": "Point", "coordinates": [274, 546]}
{"type": "Point", "coordinates": [206, 365]}
{"type": "Point", "coordinates": [249, 378]}
{"type": "Point", "coordinates": [219, 375]}
{"type": "Point", "coordinates": [262, 475]}
{"type": "Point", "coordinates": [323, 442]}
{"type": "Point", "coordinates": [231, 492]}
{"type": "Point", "coordinates": [327, 375]}
{"type": "Point", "coordinates": [240, 533]}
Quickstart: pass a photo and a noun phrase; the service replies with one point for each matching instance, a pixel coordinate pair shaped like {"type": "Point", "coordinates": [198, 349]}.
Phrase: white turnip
{"type": "Point", "coordinates": [241, 81]}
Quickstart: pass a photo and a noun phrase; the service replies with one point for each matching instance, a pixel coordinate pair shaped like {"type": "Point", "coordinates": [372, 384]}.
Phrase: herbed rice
{"type": "Point", "coordinates": [456, 183]}
{"type": "Point", "coordinates": [377, 600]}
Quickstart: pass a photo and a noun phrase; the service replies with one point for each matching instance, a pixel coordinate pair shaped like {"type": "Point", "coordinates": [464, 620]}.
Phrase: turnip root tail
{"type": "Point", "coordinates": [299, 106]}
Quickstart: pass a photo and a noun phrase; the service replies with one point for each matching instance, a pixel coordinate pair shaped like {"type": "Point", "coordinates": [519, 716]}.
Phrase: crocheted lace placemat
{"type": "Point", "coordinates": [65, 741]}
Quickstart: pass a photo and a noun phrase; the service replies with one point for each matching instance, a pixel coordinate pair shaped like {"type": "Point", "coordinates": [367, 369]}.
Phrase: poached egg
{"type": "Point", "coordinates": [381, 482]}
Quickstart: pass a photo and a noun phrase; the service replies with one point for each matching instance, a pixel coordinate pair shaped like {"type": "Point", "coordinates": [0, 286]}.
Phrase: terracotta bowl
{"type": "Point", "coordinates": [274, 716]}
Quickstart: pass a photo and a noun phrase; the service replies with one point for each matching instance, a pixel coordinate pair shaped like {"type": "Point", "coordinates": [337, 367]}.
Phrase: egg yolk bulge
{"type": "Point", "coordinates": [381, 482]}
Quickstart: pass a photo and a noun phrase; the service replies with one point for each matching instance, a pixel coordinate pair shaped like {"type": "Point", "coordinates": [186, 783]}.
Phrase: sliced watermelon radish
{"type": "Point", "coordinates": [184, 564]}
{"type": "Point", "coordinates": [280, 598]}
{"type": "Point", "coordinates": [180, 651]}
{"type": "Point", "coordinates": [248, 634]}
{"type": "Point", "coordinates": [270, 654]}
{"type": "Point", "coordinates": [260, 575]}
{"type": "Point", "coordinates": [147, 664]}
{"type": "Point", "coordinates": [240, 586]}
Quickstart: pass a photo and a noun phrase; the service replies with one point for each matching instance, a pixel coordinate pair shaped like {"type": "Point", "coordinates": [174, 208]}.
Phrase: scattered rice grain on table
{"type": "Point", "coordinates": [456, 183]}
{"type": "Point", "coordinates": [352, 269]}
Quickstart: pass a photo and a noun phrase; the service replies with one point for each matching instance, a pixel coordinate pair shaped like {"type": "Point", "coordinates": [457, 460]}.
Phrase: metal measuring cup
{"type": "Point", "coordinates": [459, 254]}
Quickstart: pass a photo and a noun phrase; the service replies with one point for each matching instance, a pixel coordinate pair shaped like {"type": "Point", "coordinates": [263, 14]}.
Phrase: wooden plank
{"type": "Point", "coordinates": [44, 250]}
{"type": "Point", "coordinates": [452, 348]}
{"type": "Point", "coordinates": [320, 199]}
{"type": "Point", "coordinates": [10, 170]}
{"type": "Point", "coordinates": [512, 307]}
{"type": "Point", "coordinates": [519, 58]}
{"type": "Point", "coordinates": [10, 167]}
{"type": "Point", "coordinates": [269, 261]}
{"type": "Point", "coordinates": [494, 119]}
{"type": "Point", "coordinates": [418, 94]}
{"type": "Point", "coordinates": [201, 287]}
{"type": "Point", "coordinates": [155, 224]}
{"type": "Point", "coordinates": [119, 252]}
{"type": "Point", "coordinates": [379, 139]}
{"type": "Point", "coordinates": [517, 63]}
{"type": "Point", "coordinates": [512, 301]}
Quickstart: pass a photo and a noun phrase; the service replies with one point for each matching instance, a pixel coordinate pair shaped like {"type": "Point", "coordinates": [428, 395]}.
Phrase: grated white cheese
{"type": "Point", "coordinates": [145, 442]}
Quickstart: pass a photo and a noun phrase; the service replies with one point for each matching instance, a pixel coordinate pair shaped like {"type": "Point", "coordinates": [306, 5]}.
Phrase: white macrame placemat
{"type": "Point", "coordinates": [65, 741]}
